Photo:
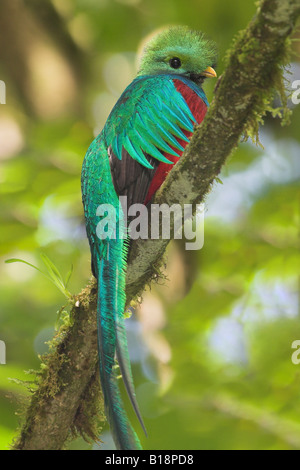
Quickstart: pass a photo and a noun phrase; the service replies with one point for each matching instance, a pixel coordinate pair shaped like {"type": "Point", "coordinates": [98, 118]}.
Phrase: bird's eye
{"type": "Point", "coordinates": [175, 63]}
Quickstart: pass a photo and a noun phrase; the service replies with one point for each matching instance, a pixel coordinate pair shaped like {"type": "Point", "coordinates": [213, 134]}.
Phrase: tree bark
{"type": "Point", "coordinates": [243, 95]}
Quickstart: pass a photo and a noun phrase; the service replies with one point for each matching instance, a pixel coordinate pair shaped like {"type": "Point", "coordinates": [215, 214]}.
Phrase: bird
{"type": "Point", "coordinates": [143, 138]}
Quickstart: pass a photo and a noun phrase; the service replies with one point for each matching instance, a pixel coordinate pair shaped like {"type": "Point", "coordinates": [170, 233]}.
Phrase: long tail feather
{"type": "Point", "coordinates": [125, 368]}
{"type": "Point", "coordinates": [112, 341]}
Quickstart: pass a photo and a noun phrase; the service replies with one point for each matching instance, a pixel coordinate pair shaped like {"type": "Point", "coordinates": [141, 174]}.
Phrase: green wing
{"type": "Point", "coordinates": [149, 117]}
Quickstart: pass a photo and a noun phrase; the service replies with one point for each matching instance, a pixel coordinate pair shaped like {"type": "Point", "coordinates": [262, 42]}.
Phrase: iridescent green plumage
{"type": "Point", "coordinates": [146, 131]}
{"type": "Point", "coordinates": [192, 47]}
{"type": "Point", "coordinates": [137, 130]}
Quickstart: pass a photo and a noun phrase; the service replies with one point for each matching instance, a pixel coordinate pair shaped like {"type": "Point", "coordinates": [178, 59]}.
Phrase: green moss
{"type": "Point", "coordinates": [90, 416]}
{"type": "Point", "coordinates": [250, 52]}
{"type": "Point", "coordinates": [245, 51]}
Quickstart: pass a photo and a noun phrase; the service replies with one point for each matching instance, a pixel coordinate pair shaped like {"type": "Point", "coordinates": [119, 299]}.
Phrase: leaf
{"type": "Point", "coordinates": [52, 269]}
{"type": "Point", "coordinates": [54, 274]}
{"type": "Point", "coordinates": [69, 276]}
{"type": "Point", "coordinates": [17, 260]}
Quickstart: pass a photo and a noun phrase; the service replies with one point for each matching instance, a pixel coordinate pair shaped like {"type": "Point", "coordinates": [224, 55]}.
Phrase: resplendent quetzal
{"type": "Point", "coordinates": [144, 136]}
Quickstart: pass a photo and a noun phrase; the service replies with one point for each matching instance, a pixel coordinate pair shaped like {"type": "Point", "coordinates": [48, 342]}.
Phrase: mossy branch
{"type": "Point", "coordinates": [65, 397]}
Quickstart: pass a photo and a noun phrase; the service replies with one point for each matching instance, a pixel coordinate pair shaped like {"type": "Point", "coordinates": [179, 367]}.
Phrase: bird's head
{"type": "Point", "coordinates": [180, 51]}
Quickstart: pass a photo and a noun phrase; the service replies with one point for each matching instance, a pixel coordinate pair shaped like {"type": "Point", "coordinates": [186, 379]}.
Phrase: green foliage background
{"type": "Point", "coordinates": [214, 341]}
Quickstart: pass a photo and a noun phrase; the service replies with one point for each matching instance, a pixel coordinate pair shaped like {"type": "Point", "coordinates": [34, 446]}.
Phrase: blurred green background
{"type": "Point", "coordinates": [210, 346]}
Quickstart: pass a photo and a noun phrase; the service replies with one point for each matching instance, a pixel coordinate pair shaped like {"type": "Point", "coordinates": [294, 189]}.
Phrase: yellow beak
{"type": "Point", "coordinates": [209, 72]}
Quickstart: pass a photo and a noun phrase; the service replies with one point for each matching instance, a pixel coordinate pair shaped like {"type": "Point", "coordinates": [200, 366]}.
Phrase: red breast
{"type": "Point", "coordinates": [198, 109]}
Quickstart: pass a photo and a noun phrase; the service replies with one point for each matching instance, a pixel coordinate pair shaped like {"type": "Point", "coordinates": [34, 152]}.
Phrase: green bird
{"type": "Point", "coordinates": [143, 137]}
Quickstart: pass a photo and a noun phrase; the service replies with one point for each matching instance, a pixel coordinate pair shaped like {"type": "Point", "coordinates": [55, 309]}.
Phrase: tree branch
{"type": "Point", "coordinates": [243, 95]}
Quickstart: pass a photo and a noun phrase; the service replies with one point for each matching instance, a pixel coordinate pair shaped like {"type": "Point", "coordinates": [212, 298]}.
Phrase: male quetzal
{"type": "Point", "coordinates": [144, 136]}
